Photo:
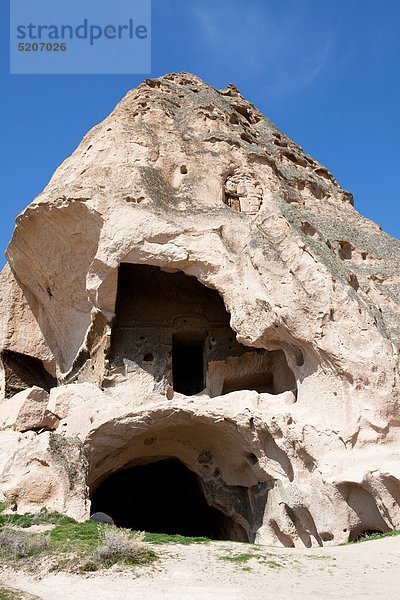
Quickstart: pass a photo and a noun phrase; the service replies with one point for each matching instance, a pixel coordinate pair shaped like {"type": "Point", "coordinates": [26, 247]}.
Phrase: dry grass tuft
{"type": "Point", "coordinates": [16, 544]}
{"type": "Point", "coordinates": [120, 546]}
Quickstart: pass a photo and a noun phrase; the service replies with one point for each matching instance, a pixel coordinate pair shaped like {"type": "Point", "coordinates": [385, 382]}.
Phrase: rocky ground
{"type": "Point", "coordinates": [222, 570]}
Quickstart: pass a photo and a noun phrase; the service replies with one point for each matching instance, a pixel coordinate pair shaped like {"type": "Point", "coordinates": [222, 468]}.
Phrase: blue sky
{"type": "Point", "coordinates": [325, 71]}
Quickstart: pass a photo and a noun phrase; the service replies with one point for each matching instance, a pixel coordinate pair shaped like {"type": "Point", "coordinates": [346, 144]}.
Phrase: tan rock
{"type": "Point", "coordinates": [49, 471]}
{"type": "Point", "coordinates": [28, 410]}
{"type": "Point", "coordinates": [25, 357]}
{"type": "Point", "coordinates": [205, 292]}
{"type": "Point", "coordinates": [10, 443]}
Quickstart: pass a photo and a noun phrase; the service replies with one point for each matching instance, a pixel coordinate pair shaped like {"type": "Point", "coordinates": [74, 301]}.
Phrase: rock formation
{"type": "Point", "coordinates": [199, 333]}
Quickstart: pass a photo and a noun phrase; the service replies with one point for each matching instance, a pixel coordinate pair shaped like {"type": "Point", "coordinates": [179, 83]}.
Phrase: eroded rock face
{"type": "Point", "coordinates": [192, 287]}
{"type": "Point", "coordinates": [27, 410]}
{"type": "Point", "coordinates": [46, 470]}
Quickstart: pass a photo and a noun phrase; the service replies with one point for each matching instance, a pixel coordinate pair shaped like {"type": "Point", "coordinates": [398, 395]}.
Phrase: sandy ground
{"type": "Point", "coordinates": [362, 571]}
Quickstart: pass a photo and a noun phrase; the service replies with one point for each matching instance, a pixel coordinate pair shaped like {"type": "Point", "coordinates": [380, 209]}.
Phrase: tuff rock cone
{"type": "Point", "coordinates": [199, 333]}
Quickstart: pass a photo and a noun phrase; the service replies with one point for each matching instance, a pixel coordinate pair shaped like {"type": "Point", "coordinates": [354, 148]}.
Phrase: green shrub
{"type": "Point", "coordinates": [7, 593]}
{"type": "Point", "coordinates": [41, 518]}
{"type": "Point", "coordinates": [166, 538]}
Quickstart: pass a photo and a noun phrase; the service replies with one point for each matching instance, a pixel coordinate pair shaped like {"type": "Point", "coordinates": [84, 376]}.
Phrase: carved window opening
{"type": "Point", "coordinates": [242, 192]}
{"type": "Point", "coordinates": [188, 365]}
{"type": "Point", "coordinates": [174, 333]}
{"type": "Point", "coordinates": [233, 202]}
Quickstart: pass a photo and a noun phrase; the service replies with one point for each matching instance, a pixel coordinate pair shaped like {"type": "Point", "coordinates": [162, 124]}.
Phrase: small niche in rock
{"type": "Point", "coordinates": [22, 371]}
{"type": "Point", "coordinates": [242, 110]}
{"type": "Point", "coordinates": [353, 281]}
{"type": "Point", "coordinates": [346, 250]}
{"type": "Point", "coordinates": [233, 202]}
{"type": "Point", "coordinates": [262, 371]}
{"type": "Point", "coordinates": [246, 138]}
{"type": "Point", "coordinates": [308, 229]}
{"type": "Point", "coordinates": [252, 458]}
{"type": "Point", "coordinates": [299, 357]}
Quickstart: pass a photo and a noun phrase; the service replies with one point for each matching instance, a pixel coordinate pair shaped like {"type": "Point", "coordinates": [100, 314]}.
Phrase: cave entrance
{"type": "Point", "coordinates": [188, 366]}
{"type": "Point", "coordinates": [161, 497]}
{"type": "Point", "coordinates": [175, 332]}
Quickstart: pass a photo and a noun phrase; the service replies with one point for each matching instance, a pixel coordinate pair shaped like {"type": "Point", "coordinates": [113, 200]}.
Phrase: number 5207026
{"type": "Point", "coordinates": [41, 47]}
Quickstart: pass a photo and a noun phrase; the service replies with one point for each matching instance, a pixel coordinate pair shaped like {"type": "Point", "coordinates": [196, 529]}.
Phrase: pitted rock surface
{"type": "Point", "coordinates": [267, 339]}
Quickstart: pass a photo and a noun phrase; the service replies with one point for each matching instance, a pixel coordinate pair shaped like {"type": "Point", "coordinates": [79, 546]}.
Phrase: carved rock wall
{"type": "Point", "coordinates": [301, 407]}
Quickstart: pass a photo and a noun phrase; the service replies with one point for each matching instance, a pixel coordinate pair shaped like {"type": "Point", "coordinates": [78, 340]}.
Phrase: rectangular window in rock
{"type": "Point", "coordinates": [188, 366]}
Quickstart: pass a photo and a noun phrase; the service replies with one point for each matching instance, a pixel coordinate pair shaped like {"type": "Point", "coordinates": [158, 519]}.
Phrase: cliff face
{"type": "Point", "coordinates": [192, 286]}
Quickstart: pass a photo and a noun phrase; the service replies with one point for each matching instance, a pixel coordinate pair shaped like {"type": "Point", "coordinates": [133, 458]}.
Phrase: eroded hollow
{"type": "Point", "coordinates": [162, 497]}
{"type": "Point", "coordinates": [185, 328]}
{"type": "Point", "coordinates": [22, 371]}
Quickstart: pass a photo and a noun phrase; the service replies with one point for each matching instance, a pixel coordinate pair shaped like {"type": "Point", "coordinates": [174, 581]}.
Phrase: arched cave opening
{"type": "Point", "coordinates": [162, 497]}
{"type": "Point", "coordinates": [172, 327]}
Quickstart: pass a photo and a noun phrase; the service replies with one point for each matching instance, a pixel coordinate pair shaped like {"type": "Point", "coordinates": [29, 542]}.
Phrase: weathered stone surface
{"type": "Point", "coordinates": [25, 358]}
{"type": "Point", "coordinates": [46, 470]}
{"type": "Point", "coordinates": [27, 410]}
{"type": "Point", "coordinates": [296, 319]}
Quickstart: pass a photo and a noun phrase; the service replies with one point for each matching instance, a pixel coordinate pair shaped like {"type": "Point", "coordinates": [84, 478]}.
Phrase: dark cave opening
{"type": "Point", "coordinates": [364, 534]}
{"type": "Point", "coordinates": [188, 366]}
{"type": "Point", "coordinates": [177, 330]}
{"type": "Point", "coordinates": [161, 497]}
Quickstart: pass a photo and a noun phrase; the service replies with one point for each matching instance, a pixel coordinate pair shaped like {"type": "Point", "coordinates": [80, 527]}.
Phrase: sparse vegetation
{"type": "Point", "coordinates": [165, 538]}
{"type": "Point", "coordinates": [120, 546]}
{"type": "Point", "coordinates": [77, 538]}
{"type": "Point", "coordinates": [27, 520]}
{"type": "Point", "coordinates": [7, 593]}
{"type": "Point", "coordinates": [69, 545]}
{"type": "Point", "coordinates": [246, 556]}
{"type": "Point", "coordinates": [373, 536]}
{"type": "Point", "coordinates": [238, 558]}
{"type": "Point", "coordinates": [16, 544]}
{"type": "Point", "coordinates": [272, 564]}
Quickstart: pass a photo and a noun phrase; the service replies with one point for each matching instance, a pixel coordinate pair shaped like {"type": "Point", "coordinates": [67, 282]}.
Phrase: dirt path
{"type": "Point", "coordinates": [370, 570]}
